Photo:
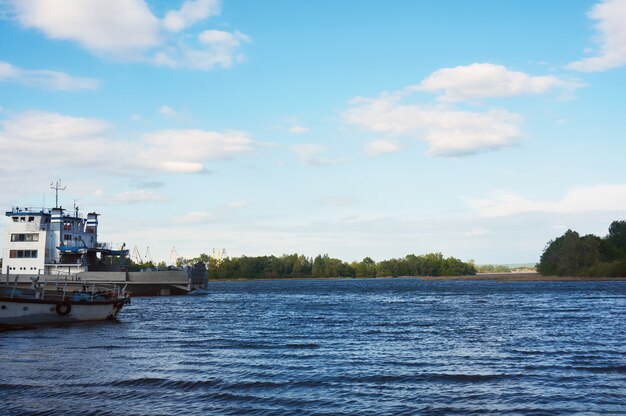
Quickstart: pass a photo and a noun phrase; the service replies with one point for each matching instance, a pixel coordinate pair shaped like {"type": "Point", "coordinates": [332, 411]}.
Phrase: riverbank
{"type": "Point", "coordinates": [525, 277]}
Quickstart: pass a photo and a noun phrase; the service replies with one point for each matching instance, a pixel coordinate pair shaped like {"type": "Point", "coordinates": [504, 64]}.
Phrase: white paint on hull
{"type": "Point", "coordinates": [24, 313]}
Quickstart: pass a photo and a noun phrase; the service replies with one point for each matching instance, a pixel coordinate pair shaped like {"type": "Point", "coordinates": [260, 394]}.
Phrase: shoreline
{"type": "Point", "coordinates": [526, 277]}
{"type": "Point", "coordinates": [498, 277]}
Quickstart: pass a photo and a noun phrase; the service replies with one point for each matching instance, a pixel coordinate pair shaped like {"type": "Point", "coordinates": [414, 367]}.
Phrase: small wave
{"type": "Point", "coordinates": [606, 369]}
{"type": "Point", "coordinates": [106, 347]}
{"type": "Point", "coordinates": [310, 346]}
{"type": "Point", "coordinates": [411, 378]}
{"type": "Point", "coordinates": [16, 387]}
{"type": "Point", "coordinates": [264, 384]}
{"type": "Point", "coordinates": [167, 383]}
{"type": "Point", "coordinates": [244, 345]}
{"type": "Point", "coordinates": [463, 378]}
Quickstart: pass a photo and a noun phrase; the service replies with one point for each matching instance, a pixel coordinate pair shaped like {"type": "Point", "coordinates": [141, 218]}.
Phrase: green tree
{"type": "Point", "coordinates": [319, 266]}
{"type": "Point", "coordinates": [365, 268]}
{"type": "Point", "coordinates": [569, 255]}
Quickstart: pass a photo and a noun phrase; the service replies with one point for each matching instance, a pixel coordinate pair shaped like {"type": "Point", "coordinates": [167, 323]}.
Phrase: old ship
{"type": "Point", "coordinates": [57, 244]}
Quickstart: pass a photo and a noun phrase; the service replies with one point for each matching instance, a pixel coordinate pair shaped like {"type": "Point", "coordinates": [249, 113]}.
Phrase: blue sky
{"type": "Point", "coordinates": [356, 128]}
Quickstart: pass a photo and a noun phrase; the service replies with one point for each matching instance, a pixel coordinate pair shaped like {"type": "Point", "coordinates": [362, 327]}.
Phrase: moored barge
{"type": "Point", "coordinates": [60, 244]}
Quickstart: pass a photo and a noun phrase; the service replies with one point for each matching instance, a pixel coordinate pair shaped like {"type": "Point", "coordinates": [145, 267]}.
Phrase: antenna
{"type": "Point", "coordinates": [57, 187]}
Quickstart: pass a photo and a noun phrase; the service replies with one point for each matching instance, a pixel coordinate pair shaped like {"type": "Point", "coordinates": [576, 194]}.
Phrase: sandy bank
{"type": "Point", "coordinates": [525, 277]}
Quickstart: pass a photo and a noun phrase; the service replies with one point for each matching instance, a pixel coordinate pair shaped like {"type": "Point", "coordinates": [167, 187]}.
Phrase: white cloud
{"type": "Point", "coordinates": [173, 166]}
{"type": "Point", "coordinates": [40, 145]}
{"type": "Point", "coordinates": [222, 50]}
{"type": "Point", "coordinates": [35, 142]}
{"type": "Point", "coordinates": [477, 231]}
{"type": "Point", "coordinates": [195, 217]}
{"type": "Point", "coordinates": [39, 140]}
{"type": "Point", "coordinates": [167, 111]}
{"type": "Point", "coordinates": [218, 214]}
{"type": "Point", "coordinates": [135, 197]}
{"type": "Point", "coordinates": [577, 200]}
{"type": "Point", "coordinates": [611, 37]}
{"type": "Point", "coordinates": [163, 58]}
{"type": "Point", "coordinates": [448, 132]}
{"type": "Point", "coordinates": [237, 205]}
{"type": "Point", "coordinates": [381, 147]}
{"type": "Point", "coordinates": [127, 30]}
{"type": "Point", "coordinates": [120, 28]}
{"type": "Point", "coordinates": [8, 71]}
{"type": "Point", "coordinates": [192, 11]}
{"type": "Point", "coordinates": [185, 151]}
{"type": "Point", "coordinates": [337, 201]}
{"type": "Point", "coordinates": [47, 79]}
{"type": "Point", "coordinates": [297, 129]}
{"type": "Point", "coordinates": [217, 49]}
{"type": "Point", "coordinates": [146, 184]}
{"type": "Point", "coordinates": [308, 154]}
{"type": "Point", "coordinates": [485, 80]}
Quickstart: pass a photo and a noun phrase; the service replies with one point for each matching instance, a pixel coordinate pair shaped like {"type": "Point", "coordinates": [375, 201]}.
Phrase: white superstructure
{"type": "Point", "coordinates": [46, 241]}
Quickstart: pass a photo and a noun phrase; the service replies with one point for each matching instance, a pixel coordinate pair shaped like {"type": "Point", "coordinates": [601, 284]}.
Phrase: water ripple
{"type": "Point", "coordinates": [353, 347]}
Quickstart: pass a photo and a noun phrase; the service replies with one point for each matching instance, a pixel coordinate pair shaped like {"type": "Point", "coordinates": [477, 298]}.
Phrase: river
{"type": "Point", "coordinates": [333, 347]}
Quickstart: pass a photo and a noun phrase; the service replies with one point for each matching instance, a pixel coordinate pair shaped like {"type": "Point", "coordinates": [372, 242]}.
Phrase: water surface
{"type": "Point", "coordinates": [334, 347]}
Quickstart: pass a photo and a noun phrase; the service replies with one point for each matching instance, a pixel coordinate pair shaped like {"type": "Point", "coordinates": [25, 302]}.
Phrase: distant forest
{"type": "Point", "coordinates": [299, 266]}
{"type": "Point", "coordinates": [589, 255]}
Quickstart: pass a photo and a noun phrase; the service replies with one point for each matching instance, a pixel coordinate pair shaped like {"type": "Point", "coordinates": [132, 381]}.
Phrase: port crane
{"type": "Point", "coordinates": [218, 255]}
{"type": "Point", "coordinates": [174, 256]}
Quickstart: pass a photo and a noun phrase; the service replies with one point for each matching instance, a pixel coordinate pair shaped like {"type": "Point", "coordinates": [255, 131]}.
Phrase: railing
{"type": "Point", "coordinates": [33, 210]}
{"type": "Point", "coordinates": [61, 284]}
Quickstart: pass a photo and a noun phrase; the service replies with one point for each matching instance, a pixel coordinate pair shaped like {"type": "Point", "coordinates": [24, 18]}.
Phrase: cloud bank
{"type": "Point", "coordinates": [484, 80]}
{"type": "Point", "coordinates": [46, 79]}
{"type": "Point", "coordinates": [611, 37]}
{"type": "Point", "coordinates": [577, 200]}
{"type": "Point", "coordinates": [448, 129]}
{"type": "Point", "coordinates": [38, 141]}
{"type": "Point", "coordinates": [127, 30]}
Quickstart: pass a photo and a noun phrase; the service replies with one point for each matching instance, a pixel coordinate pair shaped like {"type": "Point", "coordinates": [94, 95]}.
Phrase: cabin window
{"type": "Point", "coordinates": [23, 254]}
{"type": "Point", "coordinates": [15, 219]}
{"type": "Point", "coordinates": [31, 219]}
{"type": "Point", "coordinates": [24, 237]}
{"type": "Point", "coordinates": [22, 219]}
{"type": "Point", "coordinates": [67, 237]}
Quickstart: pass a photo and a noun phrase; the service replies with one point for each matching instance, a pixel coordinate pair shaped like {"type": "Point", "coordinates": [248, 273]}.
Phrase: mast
{"type": "Point", "coordinates": [57, 187]}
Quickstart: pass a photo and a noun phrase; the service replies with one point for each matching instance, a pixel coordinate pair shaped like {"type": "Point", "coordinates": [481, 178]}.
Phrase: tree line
{"type": "Point", "coordinates": [323, 266]}
{"type": "Point", "coordinates": [589, 255]}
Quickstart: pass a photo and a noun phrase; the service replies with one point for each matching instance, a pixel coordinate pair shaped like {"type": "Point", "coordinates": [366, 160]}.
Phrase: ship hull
{"type": "Point", "coordinates": [32, 311]}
